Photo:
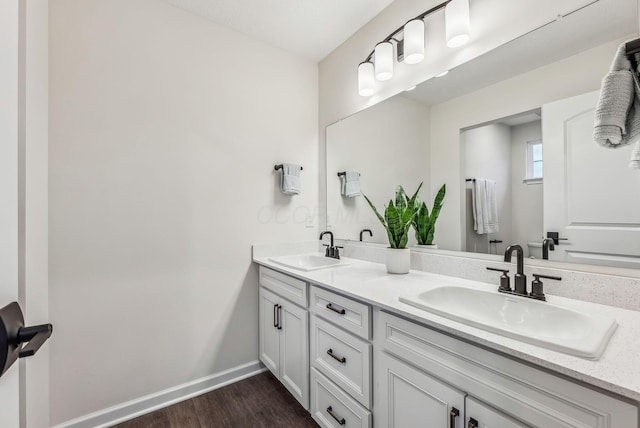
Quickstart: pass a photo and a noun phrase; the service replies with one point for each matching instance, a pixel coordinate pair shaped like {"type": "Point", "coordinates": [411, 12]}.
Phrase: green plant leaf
{"type": "Point", "coordinates": [438, 202]}
{"type": "Point", "coordinates": [401, 198]}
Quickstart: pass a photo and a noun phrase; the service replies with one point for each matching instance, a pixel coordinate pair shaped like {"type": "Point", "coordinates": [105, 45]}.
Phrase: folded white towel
{"type": "Point", "coordinates": [290, 179]}
{"type": "Point", "coordinates": [485, 207]}
{"type": "Point", "coordinates": [350, 184]}
{"type": "Point", "coordinates": [617, 117]}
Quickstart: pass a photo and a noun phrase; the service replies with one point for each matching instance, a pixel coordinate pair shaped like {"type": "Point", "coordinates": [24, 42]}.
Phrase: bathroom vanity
{"type": "Point", "coordinates": [354, 355]}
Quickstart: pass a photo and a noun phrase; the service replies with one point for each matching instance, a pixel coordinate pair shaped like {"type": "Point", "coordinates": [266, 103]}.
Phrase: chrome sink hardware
{"type": "Point", "coordinates": [520, 278]}
{"type": "Point", "coordinates": [537, 291]}
{"type": "Point", "coordinates": [505, 287]}
{"type": "Point", "coordinates": [332, 251]}
{"type": "Point", "coordinates": [367, 231]}
{"type": "Point", "coordinates": [547, 245]}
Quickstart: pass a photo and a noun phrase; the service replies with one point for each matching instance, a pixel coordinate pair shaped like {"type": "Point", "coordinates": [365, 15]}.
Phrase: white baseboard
{"type": "Point", "coordinates": [147, 404]}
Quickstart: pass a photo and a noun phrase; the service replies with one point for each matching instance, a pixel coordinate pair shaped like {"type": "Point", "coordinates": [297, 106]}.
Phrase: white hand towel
{"type": "Point", "coordinates": [290, 183]}
{"type": "Point", "coordinates": [485, 207]}
{"type": "Point", "coordinates": [351, 184]}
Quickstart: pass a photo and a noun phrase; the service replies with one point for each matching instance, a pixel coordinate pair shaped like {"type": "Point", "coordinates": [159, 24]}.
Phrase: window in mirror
{"type": "Point", "coordinates": [534, 162]}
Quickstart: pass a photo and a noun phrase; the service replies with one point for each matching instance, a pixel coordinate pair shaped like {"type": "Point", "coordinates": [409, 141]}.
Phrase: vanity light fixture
{"type": "Point", "coordinates": [410, 44]}
{"type": "Point", "coordinates": [444, 73]}
{"type": "Point", "coordinates": [384, 61]}
{"type": "Point", "coordinates": [410, 88]}
{"type": "Point", "coordinates": [366, 79]}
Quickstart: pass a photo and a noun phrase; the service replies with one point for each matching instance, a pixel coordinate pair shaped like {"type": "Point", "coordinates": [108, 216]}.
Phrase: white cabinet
{"type": "Point", "coordinates": [284, 343]}
{"type": "Point", "coordinates": [534, 396]}
{"type": "Point", "coordinates": [406, 397]}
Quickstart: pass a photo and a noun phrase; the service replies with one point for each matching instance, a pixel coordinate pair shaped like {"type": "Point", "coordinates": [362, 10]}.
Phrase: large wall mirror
{"type": "Point", "coordinates": [510, 134]}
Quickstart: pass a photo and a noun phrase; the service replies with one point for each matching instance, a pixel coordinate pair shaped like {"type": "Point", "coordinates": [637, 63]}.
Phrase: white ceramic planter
{"type": "Point", "coordinates": [429, 247]}
{"type": "Point", "coordinates": [398, 260]}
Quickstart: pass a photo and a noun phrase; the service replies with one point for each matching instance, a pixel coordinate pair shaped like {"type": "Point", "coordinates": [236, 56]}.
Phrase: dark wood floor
{"type": "Point", "coordinates": [258, 401]}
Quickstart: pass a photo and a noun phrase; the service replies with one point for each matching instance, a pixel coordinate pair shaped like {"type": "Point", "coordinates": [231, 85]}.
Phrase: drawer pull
{"type": "Point", "coordinates": [338, 311]}
{"type": "Point", "coordinates": [342, 360]}
{"type": "Point", "coordinates": [472, 423]}
{"type": "Point", "coordinates": [341, 421]}
{"type": "Point", "coordinates": [453, 414]}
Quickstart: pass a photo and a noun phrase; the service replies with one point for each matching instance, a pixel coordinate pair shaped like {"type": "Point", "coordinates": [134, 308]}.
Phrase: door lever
{"type": "Point", "coordinates": [13, 334]}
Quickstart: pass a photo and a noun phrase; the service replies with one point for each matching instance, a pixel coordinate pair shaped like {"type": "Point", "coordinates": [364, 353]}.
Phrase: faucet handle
{"type": "Point", "coordinates": [504, 279]}
{"type": "Point", "coordinates": [537, 291]}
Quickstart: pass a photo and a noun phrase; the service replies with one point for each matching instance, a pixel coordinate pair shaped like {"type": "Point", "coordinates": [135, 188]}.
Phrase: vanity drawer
{"type": "Point", "coordinates": [343, 358]}
{"type": "Point", "coordinates": [532, 395]}
{"type": "Point", "coordinates": [332, 408]}
{"type": "Point", "coordinates": [292, 289]}
{"type": "Point", "coordinates": [342, 311]}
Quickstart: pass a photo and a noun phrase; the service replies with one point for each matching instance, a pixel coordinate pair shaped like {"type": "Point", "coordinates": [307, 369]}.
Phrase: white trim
{"type": "Point", "coordinates": [147, 404]}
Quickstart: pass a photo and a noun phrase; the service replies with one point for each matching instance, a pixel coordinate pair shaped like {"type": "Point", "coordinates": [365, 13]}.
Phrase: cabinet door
{"type": "Point", "coordinates": [269, 333]}
{"type": "Point", "coordinates": [294, 351]}
{"type": "Point", "coordinates": [407, 398]}
{"type": "Point", "coordinates": [480, 415]}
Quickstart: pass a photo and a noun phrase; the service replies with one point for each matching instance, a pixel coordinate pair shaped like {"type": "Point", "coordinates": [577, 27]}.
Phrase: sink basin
{"type": "Point", "coordinates": [540, 323]}
{"type": "Point", "coordinates": [308, 262]}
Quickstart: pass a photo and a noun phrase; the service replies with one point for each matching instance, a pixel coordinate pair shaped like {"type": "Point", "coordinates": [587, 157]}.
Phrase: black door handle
{"type": "Point", "coordinates": [13, 334]}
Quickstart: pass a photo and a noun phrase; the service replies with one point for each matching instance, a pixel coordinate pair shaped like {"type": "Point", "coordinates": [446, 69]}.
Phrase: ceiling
{"type": "Point", "coordinates": [309, 28]}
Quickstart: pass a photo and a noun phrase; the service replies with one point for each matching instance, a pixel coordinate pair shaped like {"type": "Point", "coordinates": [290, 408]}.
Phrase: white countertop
{"type": "Point", "coordinates": [617, 370]}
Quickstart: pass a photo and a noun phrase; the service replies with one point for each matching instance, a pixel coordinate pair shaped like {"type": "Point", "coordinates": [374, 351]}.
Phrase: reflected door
{"type": "Point", "coordinates": [591, 196]}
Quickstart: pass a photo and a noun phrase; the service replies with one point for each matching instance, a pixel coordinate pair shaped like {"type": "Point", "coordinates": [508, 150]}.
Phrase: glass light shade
{"type": "Point", "coordinates": [458, 25]}
{"type": "Point", "coordinates": [366, 80]}
{"type": "Point", "coordinates": [414, 41]}
{"type": "Point", "coordinates": [384, 61]}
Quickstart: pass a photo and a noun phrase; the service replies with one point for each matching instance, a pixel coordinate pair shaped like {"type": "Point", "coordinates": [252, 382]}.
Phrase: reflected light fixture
{"type": "Point", "coordinates": [410, 44]}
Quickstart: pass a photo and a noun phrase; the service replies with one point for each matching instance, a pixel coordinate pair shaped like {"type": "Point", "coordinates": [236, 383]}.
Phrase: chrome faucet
{"type": "Point", "coordinates": [520, 278]}
{"type": "Point", "coordinates": [332, 251]}
{"type": "Point", "coordinates": [365, 230]}
{"type": "Point", "coordinates": [547, 244]}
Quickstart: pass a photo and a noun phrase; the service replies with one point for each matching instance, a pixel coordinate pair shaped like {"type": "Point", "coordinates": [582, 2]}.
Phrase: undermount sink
{"type": "Point", "coordinates": [308, 262]}
{"type": "Point", "coordinates": [539, 323]}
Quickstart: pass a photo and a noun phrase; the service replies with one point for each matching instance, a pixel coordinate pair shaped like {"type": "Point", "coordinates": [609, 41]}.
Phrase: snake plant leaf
{"type": "Point", "coordinates": [395, 223]}
{"type": "Point", "coordinates": [401, 197]}
{"type": "Point", "coordinates": [435, 212]}
{"type": "Point", "coordinates": [375, 211]}
{"type": "Point", "coordinates": [414, 201]}
{"type": "Point", "coordinates": [421, 223]}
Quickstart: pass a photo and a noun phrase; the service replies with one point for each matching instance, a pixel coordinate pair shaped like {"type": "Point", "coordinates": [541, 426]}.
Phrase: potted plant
{"type": "Point", "coordinates": [397, 220]}
{"type": "Point", "coordinates": [424, 222]}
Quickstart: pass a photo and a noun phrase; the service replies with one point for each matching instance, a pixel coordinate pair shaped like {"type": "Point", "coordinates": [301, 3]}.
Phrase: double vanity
{"type": "Point", "coordinates": [359, 347]}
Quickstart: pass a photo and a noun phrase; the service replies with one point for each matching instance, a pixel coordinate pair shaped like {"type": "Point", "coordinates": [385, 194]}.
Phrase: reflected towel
{"type": "Point", "coordinates": [350, 187]}
{"type": "Point", "coordinates": [617, 116]}
{"type": "Point", "coordinates": [290, 183]}
{"type": "Point", "coordinates": [485, 207]}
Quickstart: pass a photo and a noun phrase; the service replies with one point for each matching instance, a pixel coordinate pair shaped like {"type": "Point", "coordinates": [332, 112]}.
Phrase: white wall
{"type": "Point", "coordinates": [527, 208]}
{"type": "Point", "coordinates": [572, 76]}
{"type": "Point", "coordinates": [388, 145]}
{"type": "Point", "coordinates": [164, 129]}
{"type": "Point", "coordinates": [487, 154]}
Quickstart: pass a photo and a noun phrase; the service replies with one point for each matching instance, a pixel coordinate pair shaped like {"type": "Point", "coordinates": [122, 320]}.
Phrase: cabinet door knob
{"type": "Point", "coordinates": [341, 421]}
{"type": "Point", "coordinates": [472, 423]}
